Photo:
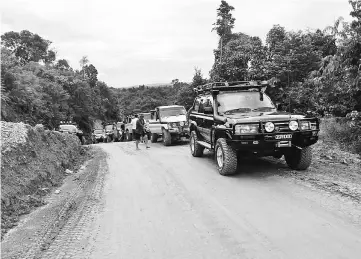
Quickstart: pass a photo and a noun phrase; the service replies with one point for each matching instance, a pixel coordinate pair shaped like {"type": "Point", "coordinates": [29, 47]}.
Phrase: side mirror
{"type": "Point", "coordinates": [208, 110]}
{"type": "Point", "coordinates": [279, 106]}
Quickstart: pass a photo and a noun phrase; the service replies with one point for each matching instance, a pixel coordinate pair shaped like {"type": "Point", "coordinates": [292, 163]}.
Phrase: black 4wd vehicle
{"type": "Point", "coordinates": [238, 118]}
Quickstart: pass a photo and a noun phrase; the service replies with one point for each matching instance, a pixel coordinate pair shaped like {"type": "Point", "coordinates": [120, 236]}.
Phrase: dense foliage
{"type": "Point", "coordinates": [313, 70]}
{"type": "Point", "coordinates": [37, 90]}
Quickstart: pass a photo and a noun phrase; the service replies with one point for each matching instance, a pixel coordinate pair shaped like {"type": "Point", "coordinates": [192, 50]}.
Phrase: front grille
{"type": "Point", "coordinates": [280, 126]}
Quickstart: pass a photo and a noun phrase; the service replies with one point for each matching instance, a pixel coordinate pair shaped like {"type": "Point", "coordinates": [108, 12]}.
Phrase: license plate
{"type": "Point", "coordinates": [284, 136]}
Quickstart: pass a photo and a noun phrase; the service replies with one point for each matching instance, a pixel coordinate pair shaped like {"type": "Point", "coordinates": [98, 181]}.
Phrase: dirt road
{"type": "Point", "coordinates": [163, 203]}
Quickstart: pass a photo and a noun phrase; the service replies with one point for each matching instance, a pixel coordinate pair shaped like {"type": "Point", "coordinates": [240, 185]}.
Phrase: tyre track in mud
{"type": "Point", "coordinates": [58, 212]}
{"type": "Point", "coordinates": [73, 240]}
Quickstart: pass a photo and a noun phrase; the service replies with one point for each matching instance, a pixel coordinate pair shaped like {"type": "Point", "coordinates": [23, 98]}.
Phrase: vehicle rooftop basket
{"type": "Point", "coordinates": [67, 123]}
{"type": "Point", "coordinates": [231, 86]}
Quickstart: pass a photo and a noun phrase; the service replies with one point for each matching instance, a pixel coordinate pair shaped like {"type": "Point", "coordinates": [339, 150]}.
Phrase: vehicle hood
{"type": "Point", "coordinates": [174, 118]}
{"type": "Point", "coordinates": [261, 116]}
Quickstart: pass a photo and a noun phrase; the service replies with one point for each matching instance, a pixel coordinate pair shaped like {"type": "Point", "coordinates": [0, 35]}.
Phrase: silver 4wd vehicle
{"type": "Point", "coordinates": [170, 123]}
{"type": "Point", "coordinates": [98, 135]}
{"type": "Point", "coordinates": [237, 118]}
{"type": "Point", "coordinates": [71, 128]}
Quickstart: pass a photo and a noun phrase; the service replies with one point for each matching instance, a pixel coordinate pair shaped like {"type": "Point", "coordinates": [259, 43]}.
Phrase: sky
{"type": "Point", "coordinates": [138, 42]}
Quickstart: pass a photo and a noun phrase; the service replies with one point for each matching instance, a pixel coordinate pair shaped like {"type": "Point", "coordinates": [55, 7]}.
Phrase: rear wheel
{"type": "Point", "coordinates": [154, 137]}
{"type": "Point", "coordinates": [196, 149]}
{"type": "Point", "coordinates": [167, 138]}
{"type": "Point", "coordinates": [226, 158]}
{"type": "Point", "coordinates": [299, 159]}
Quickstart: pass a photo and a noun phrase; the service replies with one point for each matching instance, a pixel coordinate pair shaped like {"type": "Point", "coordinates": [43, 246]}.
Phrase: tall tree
{"type": "Point", "coordinates": [28, 46]}
{"type": "Point", "coordinates": [223, 26]}
{"type": "Point", "coordinates": [83, 61]}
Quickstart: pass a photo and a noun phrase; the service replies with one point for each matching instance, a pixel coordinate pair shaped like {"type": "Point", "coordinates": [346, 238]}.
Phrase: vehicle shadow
{"type": "Point", "coordinates": [260, 167]}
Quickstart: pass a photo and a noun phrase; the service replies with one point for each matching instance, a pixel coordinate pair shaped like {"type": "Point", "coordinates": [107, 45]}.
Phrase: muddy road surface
{"type": "Point", "coordinates": [164, 203]}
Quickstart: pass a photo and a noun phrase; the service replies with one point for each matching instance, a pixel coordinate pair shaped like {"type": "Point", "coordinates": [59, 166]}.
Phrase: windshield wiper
{"type": "Point", "coordinates": [238, 110]}
{"type": "Point", "coordinates": [262, 109]}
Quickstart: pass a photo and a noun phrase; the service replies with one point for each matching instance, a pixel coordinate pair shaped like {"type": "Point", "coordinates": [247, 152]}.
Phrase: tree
{"type": "Point", "coordinates": [223, 26]}
{"type": "Point", "coordinates": [83, 61]}
{"type": "Point", "coordinates": [28, 46]}
{"type": "Point", "coordinates": [91, 73]}
{"type": "Point", "coordinates": [225, 21]}
{"type": "Point", "coordinates": [62, 64]}
{"type": "Point", "coordinates": [275, 36]}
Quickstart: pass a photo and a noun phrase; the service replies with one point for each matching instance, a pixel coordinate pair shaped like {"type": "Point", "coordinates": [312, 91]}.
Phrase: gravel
{"type": "Point", "coordinates": [12, 134]}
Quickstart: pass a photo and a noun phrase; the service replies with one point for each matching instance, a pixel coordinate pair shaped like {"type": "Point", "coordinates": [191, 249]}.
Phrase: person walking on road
{"type": "Point", "coordinates": [134, 125]}
{"type": "Point", "coordinates": [140, 132]}
{"type": "Point", "coordinates": [146, 133]}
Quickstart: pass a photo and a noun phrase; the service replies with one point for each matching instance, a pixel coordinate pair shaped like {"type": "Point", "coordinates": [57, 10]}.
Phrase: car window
{"type": "Point", "coordinates": [109, 127]}
{"type": "Point", "coordinates": [67, 127]}
{"type": "Point", "coordinates": [243, 102]}
{"type": "Point", "coordinates": [202, 104]}
{"type": "Point", "coordinates": [172, 111]}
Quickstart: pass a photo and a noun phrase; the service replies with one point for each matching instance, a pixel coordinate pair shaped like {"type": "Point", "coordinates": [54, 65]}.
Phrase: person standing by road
{"type": "Point", "coordinates": [134, 125]}
{"type": "Point", "coordinates": [140, 132]}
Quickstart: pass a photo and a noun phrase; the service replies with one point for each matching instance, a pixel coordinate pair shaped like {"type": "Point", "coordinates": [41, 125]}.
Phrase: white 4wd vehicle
{"type": "Point", "coordinates": [170, 122]}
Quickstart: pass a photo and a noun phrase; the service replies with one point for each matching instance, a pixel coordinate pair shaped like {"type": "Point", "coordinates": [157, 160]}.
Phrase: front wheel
{"type": "Point", "coordinates": [167, 138]}
{"type": "Point", "coordinates": [196, 149]}
{"type": "Point", "coordinates": [226, 158]}
{"type": "Point", "coordinates": [299, 159]}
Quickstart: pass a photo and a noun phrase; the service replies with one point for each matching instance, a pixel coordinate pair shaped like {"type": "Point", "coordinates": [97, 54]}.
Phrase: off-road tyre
{"type": "Point", "coordinates": [229, 157]}
{"type": "Point", "coordinates": [196, 149]}
{"type": "Point", "coordinates": [154, 137]}
{"type": "Point", "coordinates": [167, 138]}
{"type": "Point", "coordinates": [298, 159]}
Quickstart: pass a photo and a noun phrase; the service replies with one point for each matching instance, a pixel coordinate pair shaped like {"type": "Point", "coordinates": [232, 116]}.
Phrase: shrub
{"type": "Point", "coordinates": [345, 130]}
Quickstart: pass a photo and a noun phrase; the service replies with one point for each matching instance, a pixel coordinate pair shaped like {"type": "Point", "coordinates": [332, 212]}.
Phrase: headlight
{"type": "Point", "coordinates": [269, 126]}
{"type": "Point", "coordinates": [305, 125]}
{"type": "Point", "coordinates": [293, 125]}
{"type": "Point", "coordinates": [181, 123]}
{"type": "Point", "coordinates": [246, 128]}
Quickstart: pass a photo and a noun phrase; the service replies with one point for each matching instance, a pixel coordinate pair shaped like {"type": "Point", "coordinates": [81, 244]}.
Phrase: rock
{"type": "Point", "coordinates": [329, 157]}
{"type": "Point", "coordinates": [344, 162]}
{"type": "Point", "coordinates": [82, 167]}
{"type": "Point", "coordinates": [67, 171]}
{"type": "Point", "coordinates": [57, 192]}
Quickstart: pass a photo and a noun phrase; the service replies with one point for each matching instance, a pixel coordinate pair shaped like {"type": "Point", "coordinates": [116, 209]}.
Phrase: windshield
{"type": "Point", "coordinates": [109, 127]}
{"type": "Point", "coordinates": [98, 131]}
{"type": "Point", "coordinates": [172, 111]}
{"type": "Point", "coordinates": [67, 127]}
{"type": "Point", "coordinates": [233, 102]}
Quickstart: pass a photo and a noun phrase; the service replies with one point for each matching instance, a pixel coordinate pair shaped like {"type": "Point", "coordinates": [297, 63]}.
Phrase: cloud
{"type": "Point", "coordinates": [142, 41]}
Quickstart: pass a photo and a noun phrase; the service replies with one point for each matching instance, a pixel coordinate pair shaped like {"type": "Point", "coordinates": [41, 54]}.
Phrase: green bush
{"type": "Point", "coordinates": [346, 131]}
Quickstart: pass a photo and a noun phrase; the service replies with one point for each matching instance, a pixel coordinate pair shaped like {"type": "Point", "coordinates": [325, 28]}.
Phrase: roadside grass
{"type": "Point", "coordinates": [337, 131]}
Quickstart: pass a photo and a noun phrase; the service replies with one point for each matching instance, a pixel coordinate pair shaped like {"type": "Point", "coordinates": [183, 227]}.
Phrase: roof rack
{"type": "Point", "coordinates": [235, 85]}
